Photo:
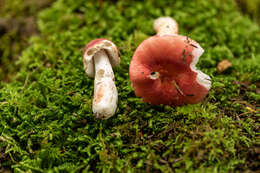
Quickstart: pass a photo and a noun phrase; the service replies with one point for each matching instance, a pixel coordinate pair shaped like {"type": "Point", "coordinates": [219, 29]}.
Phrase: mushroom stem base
{"type": "Point", "coordinates": [165, 26]}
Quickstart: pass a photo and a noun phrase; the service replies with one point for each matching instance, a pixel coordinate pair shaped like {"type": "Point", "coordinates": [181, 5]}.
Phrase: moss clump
{"type": "Point", "coordinates": [46, 118]}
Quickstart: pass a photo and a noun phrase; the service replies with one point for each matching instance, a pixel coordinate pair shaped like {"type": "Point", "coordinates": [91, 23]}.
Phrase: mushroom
{"type": "Point", "coordinates": [99, 57]}
{"type": "Point", "coordinates": [163, 71]}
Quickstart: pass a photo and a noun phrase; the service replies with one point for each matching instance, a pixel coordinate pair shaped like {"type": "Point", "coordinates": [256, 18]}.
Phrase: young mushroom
{"type": "Point", "coordinates": [99, 57]}
{"type": "Point", "coordinates": [163, 71]}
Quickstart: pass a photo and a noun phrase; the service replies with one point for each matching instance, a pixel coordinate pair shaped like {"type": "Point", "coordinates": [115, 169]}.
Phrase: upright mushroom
{"type": "Point", "coordinates": [99, 57]}
{"type": "Point", "coordinates": [163, 71]}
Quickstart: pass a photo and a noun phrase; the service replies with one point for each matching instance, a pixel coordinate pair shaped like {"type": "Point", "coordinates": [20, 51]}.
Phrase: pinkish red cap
{"type": "Point", "coordinates": [162, 71]}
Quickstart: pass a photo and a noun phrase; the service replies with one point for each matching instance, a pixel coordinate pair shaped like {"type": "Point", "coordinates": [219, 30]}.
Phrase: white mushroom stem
{"type": "Point", "coordinates": [165, 26]}
{"type": "Point", "coordinates": [105, 92]}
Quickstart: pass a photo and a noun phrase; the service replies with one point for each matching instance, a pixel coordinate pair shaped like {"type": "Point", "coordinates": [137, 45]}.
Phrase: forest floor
{"type": "Point", "coordinates": [46, 121]}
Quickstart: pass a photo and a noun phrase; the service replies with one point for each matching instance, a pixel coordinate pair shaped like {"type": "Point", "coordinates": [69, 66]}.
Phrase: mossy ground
{"type": "Point", "coordinates": [46, 122]}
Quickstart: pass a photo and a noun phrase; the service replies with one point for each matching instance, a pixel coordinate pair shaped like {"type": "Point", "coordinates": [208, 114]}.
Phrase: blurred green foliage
{"type": "Point", "coordinates": [251, 7]}
{"type": "Point", "coordinates": [17, 24]}
{"type": "Point", "coordinates": [46, 122]}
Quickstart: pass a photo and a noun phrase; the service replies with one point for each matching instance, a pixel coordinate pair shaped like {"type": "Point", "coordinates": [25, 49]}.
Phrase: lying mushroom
{"type": "Point", "coordinates": [98, 57]}
{"type": "Point", "coordinates": [163, 71]}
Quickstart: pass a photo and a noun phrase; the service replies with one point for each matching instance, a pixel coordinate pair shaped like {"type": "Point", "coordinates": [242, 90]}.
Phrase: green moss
{"type": "Point", "coordinates": [46, 118]}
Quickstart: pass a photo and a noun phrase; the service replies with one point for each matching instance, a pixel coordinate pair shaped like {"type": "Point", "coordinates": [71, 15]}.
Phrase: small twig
{"type": "Point", "coordinates": [178, 88]}
{"type": "Point", "coordinates": [163, 161]}
{"type": "Point", "coordinates": [193, 45]}
{"type": "Point", "coordinates": [238, 120]}
{"type": "Point", "coordinates": [176, 160]}
{"type": "Point", "coordinates": [26, 81]}
{"type": "Point", "coordinates": [183, 56]}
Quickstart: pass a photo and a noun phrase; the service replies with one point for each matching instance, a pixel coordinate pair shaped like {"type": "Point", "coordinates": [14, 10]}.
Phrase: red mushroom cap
{"type": "Point", "coordinates": [95, 46]}
{"type": "Point", "coordinates": [92, 43]}
{"type": "Point", "coordinates": [162, 71]}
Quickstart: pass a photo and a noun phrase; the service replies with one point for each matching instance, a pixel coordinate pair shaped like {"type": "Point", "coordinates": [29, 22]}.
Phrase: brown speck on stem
{"type": "Point", "coordinates": [99, 94]}
{"type": "Point", "coordinates": [100, 74]}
